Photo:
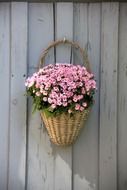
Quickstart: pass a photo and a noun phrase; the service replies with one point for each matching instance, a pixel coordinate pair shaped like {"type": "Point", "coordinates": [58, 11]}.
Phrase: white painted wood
{"type": "Point", "coordinates": [63, 156]}
{"type": "Point", "coordinates": [4, 97]}
{"type": "Point", "coordinates": [17, 156]}
{"type": "Point", "coordinates": [40, 150]}
{"type": "Point", "coordinates": [122, 99]}
{"type": "Point", "coordinates": [80, 32]}
{"type": "Point", "coordinates": [50, 167]}
{"type": "Point", "coordinates": [64, 28]}
{"type": "Point", "coordinates": [40, 31]}
{"type": "Point", "coordinates": [108, 97]}
{"type": "Point", "coordinates": [85, 153]}
{"type": "Point", "coordinates": [94, 29]}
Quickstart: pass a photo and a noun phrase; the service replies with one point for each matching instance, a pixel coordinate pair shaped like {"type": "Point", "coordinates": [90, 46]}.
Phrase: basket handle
{"type": "Point", "coordinates": [73, 44]}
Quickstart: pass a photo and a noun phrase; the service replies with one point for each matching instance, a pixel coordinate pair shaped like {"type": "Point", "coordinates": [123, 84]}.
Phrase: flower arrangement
{"type": "Point", "coordinates": [63, 93]}
{"type": "Point", "coordinates": [61, 88]}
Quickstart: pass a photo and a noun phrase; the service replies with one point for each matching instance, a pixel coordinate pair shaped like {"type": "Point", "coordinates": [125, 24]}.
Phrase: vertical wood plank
{"type": "Point", "coordinates": [40, 150]}
{"type": "Point", "coordinates": [94, 28]}
{"type": "Point", "coordinates": [40, 32]}
{"type": "Point", "coordinates": [4, 83]}
{"type": "Point", "coordinates": [64, 28]}
{"type": "Point", "coordinates": [108, 97]}
{"type": "Point", "coordinates": [80, 29]}
{"type": "Point", "coordinates": [85, 152]}
{"type": "Point", "coordinates": [63, 156]}
{"type": "Point", "coordinates": [17, 156]}
{"type": "Point", "coordinates": [122, 99]}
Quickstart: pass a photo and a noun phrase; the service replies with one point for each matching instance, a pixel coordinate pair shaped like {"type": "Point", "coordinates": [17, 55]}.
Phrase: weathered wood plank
{"type": "Point", "coordinates": [80, 29]}
{"type": "Point", "coordinates": [40, 31]}
{"type": "Point", "coordinates": [40, 151]}
{"type": "Point", "coordinates": [87, 33]}
{"type": "Point", "coordinates": [63, 156]}
{"type": "Point", "coordinates": [64, 28]}
{"type": "Point", "coordinates": [108, 97]}
{"type": "Point", "coordinates": [94, 28]}
{"type": "Point", "coordinates": [4, 97]}
{"type": "Point", "coordinates": [122, 99]}
{"type": "Point", "coordinates": [48, 166]}
{"type": "Point", "coordinates": [17, 156]}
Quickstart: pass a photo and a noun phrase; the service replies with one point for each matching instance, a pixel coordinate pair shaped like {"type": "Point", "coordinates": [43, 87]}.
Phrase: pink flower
{"type": "Point", "coordinates": [81, 108]}
{"type": "Point", "coordinates": [59, 103]}
{"type": "Point", "coordinates": [53, 106]}
{"type": "Point", "coordinates": [69, 111]}
{"type": "Point", "coordinates": [77, 107]}
{"type": "Point", "coordinates": [56, 89]}
{"type": "Point", "coordinates": [46, 88]}
{"type": "Point", "coordinates": [93, 84]}
{"type": "Point", "coordinates": [64, 104]}
{"type": "Point", "coordinates": [49, 100]}
{"type": "Point", "coordinates": [45, 93]}
{"type": "Point", "coordinates": [83, 90]}
{"type": "Point", "coordinates": [38, 93]}
{"type": "Point", "coordinates": [80, 97]}
{"type": "Point", "coordinates": [84, 104]}
{"type": "Point", "coordinates": [58, 78]}
{"type": "Point", "coordinates": [62, 85]}
{"type": "Point", "coordinates": [80, 84]}
{"type": "Point", "coordinates": [30, 84]}
{"type": "Point", "coordinates": [75, 98]}
{"type": "Point", "coordinates": [48, 85]}
{"type": "Point", "coordinates": [37, 85]}
{"type": "Point", "coordinates": [45, 99]}
{"type": "Point", "coordinates": [64, 98]}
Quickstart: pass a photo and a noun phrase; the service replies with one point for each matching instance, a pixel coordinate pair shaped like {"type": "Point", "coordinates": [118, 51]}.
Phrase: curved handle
{"type": "Point", "coordinates": [73, 44]}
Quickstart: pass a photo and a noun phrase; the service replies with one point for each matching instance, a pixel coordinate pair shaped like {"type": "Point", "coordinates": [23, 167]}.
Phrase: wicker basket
{"type": "Point", "coordinates": [63, 129]}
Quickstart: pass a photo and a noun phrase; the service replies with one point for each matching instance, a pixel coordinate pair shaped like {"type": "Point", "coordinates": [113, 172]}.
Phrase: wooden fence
{"type": "Point", "coordinates": [98, 160]}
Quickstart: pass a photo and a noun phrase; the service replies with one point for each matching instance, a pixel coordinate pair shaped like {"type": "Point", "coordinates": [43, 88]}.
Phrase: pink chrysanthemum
{"type": "Point", "coordinates": [62, 85]}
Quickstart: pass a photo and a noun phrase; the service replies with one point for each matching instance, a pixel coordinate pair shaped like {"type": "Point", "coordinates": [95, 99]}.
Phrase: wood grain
{"type": "Point", "coordinates": [4, 97]}
{"type": "Point", "coordinates": [122, 99]}
{"type": "Point", "coordinates": [17, 156]}
{"type": "Point", "coordinates": [108, 97]}
{"type": "Point", "coordinates": [28, 160]}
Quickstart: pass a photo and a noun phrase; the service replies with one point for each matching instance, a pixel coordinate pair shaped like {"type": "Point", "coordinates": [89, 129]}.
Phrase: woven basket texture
{"type": "Point", "coordinates": [64, 129]}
